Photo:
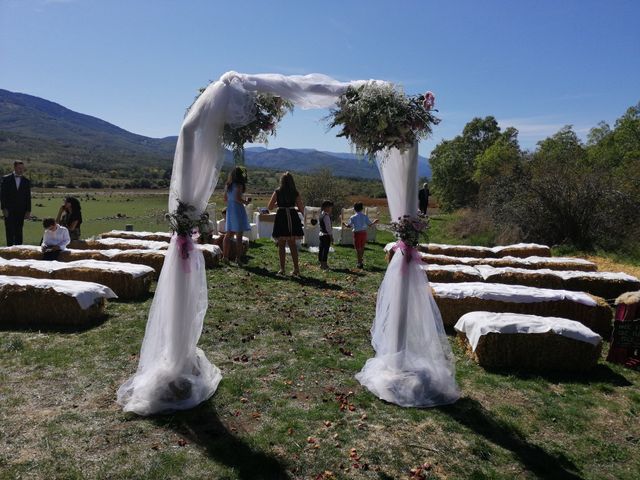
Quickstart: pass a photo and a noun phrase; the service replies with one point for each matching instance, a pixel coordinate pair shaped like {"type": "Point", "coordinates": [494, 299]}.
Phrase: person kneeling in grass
{"type": "Point", "coordinates": [359, 222]}
{"type": "Point", "coordinates": [55, 239]}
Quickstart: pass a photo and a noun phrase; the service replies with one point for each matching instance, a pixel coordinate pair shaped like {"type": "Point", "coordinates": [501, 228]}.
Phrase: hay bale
{"type": "Point", "coordinates": [123, 244]}
{"type": "Point", "coordinates": [528, 342]}
{"type": "Point", "coordinates": [551, 263]}
{"type": "Point", "coordinates": [212, 254]}
{"type": "Point", "coordinates": [456, 299]}
{"type": "Point", "coordinates": [530, 263]}
{"type": "Point", "coordinates": [608, 285]}
{"type": "Point", "coordinates": [30, 301]}
{"type": "Point", "coordinates": [150, 258]}
{"type": "Point", "coordinates": [601, 284]}
{"type": "Point", "coordinates": [544, 278]}
{"type": "Point", "coordinates": [151, 236]}
{"type": "Point", "coordinates": [452, 273]}
{"type": "Point", "coordinates": [23, 252]}
{"type": "Point", "coordinates": [455, 250]}
{"type": "Point", "coordinates": [522, 250]}
{"type": "Point", "coordinates": [128, 281]}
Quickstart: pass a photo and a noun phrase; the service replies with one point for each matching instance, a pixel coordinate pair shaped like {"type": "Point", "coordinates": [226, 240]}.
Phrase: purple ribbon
{"type": "Point", "coordinates": [409, 252]}
{"type": "Point", "coordinates": [185, 245]}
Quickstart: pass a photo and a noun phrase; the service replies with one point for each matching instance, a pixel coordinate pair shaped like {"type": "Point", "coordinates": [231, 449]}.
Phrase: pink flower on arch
{"type": "Point", "coordinates": [429, 100]}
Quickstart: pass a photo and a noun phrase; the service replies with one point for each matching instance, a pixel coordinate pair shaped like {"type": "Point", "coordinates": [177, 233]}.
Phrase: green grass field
{"type": "Point", "coordinates": [288, 405]}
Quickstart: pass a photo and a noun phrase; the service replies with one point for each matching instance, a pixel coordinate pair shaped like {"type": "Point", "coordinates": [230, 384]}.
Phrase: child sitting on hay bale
{"type": "Point", "coordinates": [55, 239]}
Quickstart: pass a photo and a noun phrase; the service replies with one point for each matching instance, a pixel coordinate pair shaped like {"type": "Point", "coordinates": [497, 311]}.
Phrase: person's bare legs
{"type": "Point", "coordinates": [226, 246]}
{"type": "Point", "coordinates": [282, 241]}
{"type": "Point", "coordinates": [239, 247]}
{"type": "Point", "coordinates": [360, 253]}
{"type": "Point", "coordinates": [294, 255]}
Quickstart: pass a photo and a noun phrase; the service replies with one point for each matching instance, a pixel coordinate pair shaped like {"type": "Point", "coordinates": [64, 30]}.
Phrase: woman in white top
{"type": "Point", "coordinates": [55, 239]}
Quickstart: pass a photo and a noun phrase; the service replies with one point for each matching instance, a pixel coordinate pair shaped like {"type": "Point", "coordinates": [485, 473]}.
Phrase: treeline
{"type": "Point", "coordinates": [586, 195]}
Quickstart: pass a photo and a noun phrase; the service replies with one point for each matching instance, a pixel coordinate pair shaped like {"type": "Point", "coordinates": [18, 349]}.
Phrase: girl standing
{"type": "Point", "coordinates": [287, 227]}
{"type": "Point", "coordinates": [70, 216]}
{"type": "Point", "coordinates": [236, 220]}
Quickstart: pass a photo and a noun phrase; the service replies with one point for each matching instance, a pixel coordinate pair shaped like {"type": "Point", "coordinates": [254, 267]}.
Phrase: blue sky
{"type": "Point", "coordinates": [535, 65]}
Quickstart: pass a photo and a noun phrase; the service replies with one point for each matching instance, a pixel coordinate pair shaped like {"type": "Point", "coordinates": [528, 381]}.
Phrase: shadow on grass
{"type": "Point", "coordinates": [601, 373]}
{"type": "Point", "coordinates": [201, 426]}
{"type": "Point", "coordinates": [16, 326]}
{"type": "Point", "coordinates": [472, 415]}
{"type": "Point", "coordinates": [302, 280]}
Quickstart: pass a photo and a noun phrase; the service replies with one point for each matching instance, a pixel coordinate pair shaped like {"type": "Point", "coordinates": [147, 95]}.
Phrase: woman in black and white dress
{"type": "Point", "coordinates": [287, 227]}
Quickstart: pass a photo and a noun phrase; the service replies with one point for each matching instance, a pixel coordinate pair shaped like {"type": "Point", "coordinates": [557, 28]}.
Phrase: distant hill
{"type": "Point", "coordinates": [35, 128]}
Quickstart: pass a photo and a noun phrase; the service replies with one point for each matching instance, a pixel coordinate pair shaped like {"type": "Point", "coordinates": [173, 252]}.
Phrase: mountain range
{"type": "Point", "coordinates": [34, 128]}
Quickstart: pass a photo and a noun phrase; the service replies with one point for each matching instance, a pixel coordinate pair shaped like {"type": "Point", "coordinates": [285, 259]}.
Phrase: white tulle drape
{"type": "Point", "coordinates": [173, 374]}
{"type": "Point", "coordinates": [413, 365]}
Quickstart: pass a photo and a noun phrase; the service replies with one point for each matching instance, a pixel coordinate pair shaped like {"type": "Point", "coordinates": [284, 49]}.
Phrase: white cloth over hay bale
{"type": "Point", "coordinates": [127, 280]}
{"type": "Point", "coordinates": [602, 284]}
{"type": "Point", "coordinates": [457, 299]}
{"type": "Point", "coordinates": [121, 244]}
{"type": "Point", "coordinates": [150, 258]}
{"type": "Point", "coordinates": [35, 301]}
{"type": "Point", "coordinates": [153, 236]}
{"type": "Point", "coordinates": [521, 250]}
{"type": "Point", "coordinates": [528, 342]}
{"type": "Point", "coordinates": [531, 263]}
{"type": "Point", "coordinates": [452, 273]}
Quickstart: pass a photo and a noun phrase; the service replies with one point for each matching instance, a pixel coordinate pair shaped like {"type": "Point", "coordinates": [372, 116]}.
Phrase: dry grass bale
{"type": "Point", "coordinates": [152, 236]}
{"type": "Point", "coordinates": [455, 250]}
{"type": "Point", "coordinates": [530, 263]}
{"type": "Point", "coordinates": [22, 252]}
{"type": "Point", "coordinates": [29, 303]}
{"type": "Point", "coordinates": [522, 250]}
{"type": "Point", "coordinates": [218, 239]}
{"type": "Point", "coordinates": [602, 284]}
{"type": "Point", "coordinates": [457, 299]}
{"type": "Point", "coordinates": [452, 273]}
{"type": "Point", "coordinates": [126, 285]}
{"type": "Point", "coordinates": [150, 258]}
{"type": "Point", "coordinates": [532, 351]}
{"type": "Point", "coordinates": [537, 263]}
{"type": "Point", "coordinates": [124, 244]}
{"type": "Point", "coordinates": [522, 276]}
{"type": "Point", "coordinates": [212, 254]}
{"type": "Point", "coordinates": [126, 280]}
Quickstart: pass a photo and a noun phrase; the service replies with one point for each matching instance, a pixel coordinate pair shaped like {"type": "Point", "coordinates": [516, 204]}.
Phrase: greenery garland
{"type": "Point", "coordinates": [268, 110]}
{"type": "Point", "coordinates": [376, 116]}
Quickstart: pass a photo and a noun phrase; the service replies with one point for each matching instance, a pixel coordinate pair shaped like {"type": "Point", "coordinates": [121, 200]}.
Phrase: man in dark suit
{"type": "Point", "coordinates": [15, 198]}
{"type": "Point", "coordinates": [423, 198]}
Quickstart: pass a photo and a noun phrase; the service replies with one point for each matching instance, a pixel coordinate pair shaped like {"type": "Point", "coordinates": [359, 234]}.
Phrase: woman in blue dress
{"type": "Point", "coordinates": [236, 220]}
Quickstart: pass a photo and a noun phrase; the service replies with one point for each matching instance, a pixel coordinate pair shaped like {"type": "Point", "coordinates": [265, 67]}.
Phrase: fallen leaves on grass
{"type": "Point", "coordinates": [421, 472]}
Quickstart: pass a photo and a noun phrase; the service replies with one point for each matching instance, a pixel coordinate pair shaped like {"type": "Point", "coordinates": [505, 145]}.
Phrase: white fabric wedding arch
{"type": "Point", "coordinates": [413, 365]}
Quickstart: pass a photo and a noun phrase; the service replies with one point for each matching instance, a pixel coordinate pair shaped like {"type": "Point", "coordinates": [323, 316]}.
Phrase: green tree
{"type": "Point", "coordinates": [498, 158]}
{"type": "Point", "coordinates": [453, 163]}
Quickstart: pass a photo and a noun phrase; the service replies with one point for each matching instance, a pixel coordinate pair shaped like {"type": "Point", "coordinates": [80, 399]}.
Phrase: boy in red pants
{"type": "Point", "coordinates": [359, 222]}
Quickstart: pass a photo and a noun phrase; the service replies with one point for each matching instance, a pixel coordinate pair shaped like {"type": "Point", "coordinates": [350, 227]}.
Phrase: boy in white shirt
{"type": "Point", "coordinates": [55, 239]}
{"type": "Point", "coordinates": [359, 222]}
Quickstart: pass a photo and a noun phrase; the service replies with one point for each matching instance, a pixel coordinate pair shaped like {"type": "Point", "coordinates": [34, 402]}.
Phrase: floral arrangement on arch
{"type": "Point", "coordinates": [410, 229]}
{"type": "Point", "coordinates": [267, 110]}
{"type": "Point", "coordinates": [185, 219]}
{"type": "Point", "coordinates": [376, 116]}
